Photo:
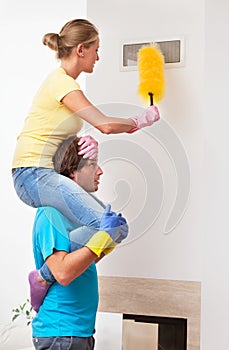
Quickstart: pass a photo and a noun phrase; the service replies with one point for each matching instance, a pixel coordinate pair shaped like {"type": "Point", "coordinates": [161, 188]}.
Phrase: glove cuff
{"type": "Point", "coordinates": [110, 248]}
{"type": "Point", "coordinates": [98, 242]}
{"type": "Point", "coordinates": [135, 128]}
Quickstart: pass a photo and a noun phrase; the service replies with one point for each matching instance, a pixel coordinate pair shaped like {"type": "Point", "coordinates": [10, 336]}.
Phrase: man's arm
{"type": "Point", "coordinates": [65, 267]}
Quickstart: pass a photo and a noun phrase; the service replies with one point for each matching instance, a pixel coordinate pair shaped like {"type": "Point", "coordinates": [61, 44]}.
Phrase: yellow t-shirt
{"type": "Point", "coordinates": [49, 122]}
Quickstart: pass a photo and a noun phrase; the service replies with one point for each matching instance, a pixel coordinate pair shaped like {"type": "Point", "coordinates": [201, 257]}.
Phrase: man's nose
{"type": "Point", "coordinates": [100, 171]}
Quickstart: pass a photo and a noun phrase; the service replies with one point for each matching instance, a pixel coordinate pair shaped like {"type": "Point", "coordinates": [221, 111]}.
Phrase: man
{"type": "Point", "coordinates": [66, 319]}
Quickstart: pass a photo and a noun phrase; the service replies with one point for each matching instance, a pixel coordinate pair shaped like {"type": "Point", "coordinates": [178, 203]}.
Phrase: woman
{"type": "Point", "coordinates": [57, 112]}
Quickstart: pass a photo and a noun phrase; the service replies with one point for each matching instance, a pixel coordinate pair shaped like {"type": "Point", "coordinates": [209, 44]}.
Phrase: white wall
{"type": "Point", "coordinates": [176, 255]}
{"type": "Point", "coordinates": [195, 106]}
{"type": "Point", "coordinates": [215, 308]}
{"type": "Point", "coordinates": [24, 63]}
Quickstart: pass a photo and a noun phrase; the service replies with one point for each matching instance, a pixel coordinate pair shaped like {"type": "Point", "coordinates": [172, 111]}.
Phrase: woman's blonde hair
{"type": "Point", "coordinates": [73, 33]}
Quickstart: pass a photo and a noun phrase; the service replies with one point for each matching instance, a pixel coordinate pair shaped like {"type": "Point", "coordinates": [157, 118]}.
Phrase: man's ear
{"type": "Point", "coordinates": [73, 176]}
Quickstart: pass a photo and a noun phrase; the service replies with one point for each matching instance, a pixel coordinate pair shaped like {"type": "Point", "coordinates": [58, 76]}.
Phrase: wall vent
{"type": "Point", "coordinates": [173, 51]}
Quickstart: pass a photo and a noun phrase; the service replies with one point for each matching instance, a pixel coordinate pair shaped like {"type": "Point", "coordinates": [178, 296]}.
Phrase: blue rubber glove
{"type": "Point", "coordinates": [115, 225]}
{"type": "Point", "coordinates": [123, 229]}
{"type": "Point", "coordinates": [121, 234]}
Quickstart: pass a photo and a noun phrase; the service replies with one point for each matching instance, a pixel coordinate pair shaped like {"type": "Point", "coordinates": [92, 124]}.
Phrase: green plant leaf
{"type": "Point", "coordinates": [24, 310]}
{"type": "Point", "coordinates": [14, 317]}
{"type": "Point", "coordinates": [22, 306]}
{"type": "Point", "coordinates": [16, 310]}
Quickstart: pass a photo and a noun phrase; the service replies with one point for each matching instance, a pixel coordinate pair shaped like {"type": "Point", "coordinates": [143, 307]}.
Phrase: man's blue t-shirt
{"type": "Point", "coordinates": [67, 310]}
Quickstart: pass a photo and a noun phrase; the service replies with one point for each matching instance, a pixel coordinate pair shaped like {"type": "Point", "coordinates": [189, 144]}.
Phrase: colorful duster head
{"type": "Point", "coordinates": [151, 73]}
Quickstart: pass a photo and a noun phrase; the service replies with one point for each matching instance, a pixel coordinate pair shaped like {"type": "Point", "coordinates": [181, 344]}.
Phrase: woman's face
{"type": "Point", "coordinates": [91, 56]}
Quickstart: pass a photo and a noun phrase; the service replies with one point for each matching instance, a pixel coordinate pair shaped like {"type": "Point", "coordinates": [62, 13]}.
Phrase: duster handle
{"type": "Point", "coordinates": [151, 98]}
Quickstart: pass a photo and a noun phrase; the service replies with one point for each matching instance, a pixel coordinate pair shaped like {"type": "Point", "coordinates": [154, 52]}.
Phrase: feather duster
{"type": "Point", "coordinates": [151, 73]}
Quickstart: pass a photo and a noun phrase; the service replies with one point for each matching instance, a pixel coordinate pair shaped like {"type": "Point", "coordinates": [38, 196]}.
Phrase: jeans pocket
{"type": "Point", "coordinates": [23, 195]}
{"type": "Point", "coordinates": [61, 343]}
{"type": "Point", "coordinates": [20, 176]}
{"type": "Point", "coordinates": [43, 343]}
{"type": "Point", "coordinates": [91, 343]}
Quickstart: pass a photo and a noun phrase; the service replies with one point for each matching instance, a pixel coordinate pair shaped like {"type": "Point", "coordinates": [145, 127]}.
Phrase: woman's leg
{"type": "Point", "coordinates": [44, 187]}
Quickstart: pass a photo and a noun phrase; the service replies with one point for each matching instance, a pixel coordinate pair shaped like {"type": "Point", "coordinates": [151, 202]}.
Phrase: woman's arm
{"type": "Point", "coordinates": [79, 104]}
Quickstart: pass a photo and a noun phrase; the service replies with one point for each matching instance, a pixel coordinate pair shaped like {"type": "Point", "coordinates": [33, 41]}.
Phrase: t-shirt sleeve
{"type": "Point", "coordinates": [64, 85]}
{"type": "Point", "coordinates": [52, 232]}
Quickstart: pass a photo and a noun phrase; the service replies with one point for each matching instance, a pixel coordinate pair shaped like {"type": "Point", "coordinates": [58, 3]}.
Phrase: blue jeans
{"type": "Point", "coordinates": [64, 343]}
{"type": "Point", "coordinates": [45, 187]}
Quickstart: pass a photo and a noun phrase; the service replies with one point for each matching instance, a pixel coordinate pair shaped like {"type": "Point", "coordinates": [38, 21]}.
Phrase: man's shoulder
{"type": "Point", "coordinates": [48, 210]}
{"type": "Point", "coordinates": [51, 216]}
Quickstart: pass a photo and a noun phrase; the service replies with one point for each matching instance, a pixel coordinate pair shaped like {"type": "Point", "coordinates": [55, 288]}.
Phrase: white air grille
{"type": "Point", "coordinates": [172, 51]}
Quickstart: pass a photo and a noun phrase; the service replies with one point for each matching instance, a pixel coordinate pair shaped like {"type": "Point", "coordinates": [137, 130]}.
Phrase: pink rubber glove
{"type": "Point", "coordinates": [88, 147]}
{"type": "Point", "coordinates": [147, 118]}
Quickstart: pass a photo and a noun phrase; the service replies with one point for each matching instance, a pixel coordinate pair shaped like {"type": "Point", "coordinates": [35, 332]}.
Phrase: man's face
{"type": "Point", "coordinates": [88, 176]}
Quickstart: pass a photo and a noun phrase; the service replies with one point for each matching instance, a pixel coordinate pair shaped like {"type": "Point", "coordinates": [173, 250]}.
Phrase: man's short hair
{"type": "Point", "coordinates": [66, 159]}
